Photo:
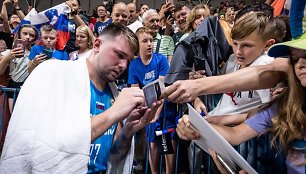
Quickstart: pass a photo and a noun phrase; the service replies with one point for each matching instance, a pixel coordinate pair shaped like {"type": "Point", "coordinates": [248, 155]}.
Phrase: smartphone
{"type": "Point", "coordinates": [227, 165]}
{"type": "Point", "coordinates": [153, 91]}
{"type": "Point", "coordinates": [48, 53]}
{"type": "Point", "coordinates": [167, 14]}
{"type": "Point", "coordinates": [19, 43]}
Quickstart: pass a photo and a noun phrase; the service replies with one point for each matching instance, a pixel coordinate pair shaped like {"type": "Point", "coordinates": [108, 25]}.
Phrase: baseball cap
{"type": "Point", "coordinates": [283, 49]}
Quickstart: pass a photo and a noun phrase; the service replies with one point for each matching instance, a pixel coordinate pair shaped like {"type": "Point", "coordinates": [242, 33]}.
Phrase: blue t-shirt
{"type": "Point", "coordinates": [99, 26]}
{"type": "Point", "coordinates": [99, 149]}
{"type": "Point", "coordinates": [143, 74]}
{"type": "Point", "coordinates": [57, 54]}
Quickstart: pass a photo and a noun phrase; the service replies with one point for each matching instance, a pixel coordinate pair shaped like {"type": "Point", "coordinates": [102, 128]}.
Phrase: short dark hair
{"type": "Point", "coordinates": [256, 7]}
{"type": "Point", "coordinates": [178, 7]}
{"type": "Point", "coordinates": [101, 5]}
{"type": "Point", "coordinates": [117, 29]}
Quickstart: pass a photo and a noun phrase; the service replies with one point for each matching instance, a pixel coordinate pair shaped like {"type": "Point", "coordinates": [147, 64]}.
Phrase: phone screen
{"type": "Point", "coordinates": [48, 53]}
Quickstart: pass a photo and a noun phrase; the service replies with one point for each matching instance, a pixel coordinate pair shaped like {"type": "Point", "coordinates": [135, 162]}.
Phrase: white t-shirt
{"type": "Point", "coordinates": [242, 102]}
{"type": "Point", "coordinates": [135, 25]}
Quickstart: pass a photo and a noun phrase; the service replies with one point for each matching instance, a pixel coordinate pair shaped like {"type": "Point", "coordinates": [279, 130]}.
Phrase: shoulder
{"type": "Point", "coordinates": [159, 56]}
{"type": "Point", "coordinates": [262, 60]}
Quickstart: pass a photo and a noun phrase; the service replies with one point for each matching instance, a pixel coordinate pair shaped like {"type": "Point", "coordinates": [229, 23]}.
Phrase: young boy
{"type": "Point", "coordinates": [40, 53]}
{"type": "Point", "coordinates": [252, 35]}
{"type": "Point", "coordinates": [144, 69]}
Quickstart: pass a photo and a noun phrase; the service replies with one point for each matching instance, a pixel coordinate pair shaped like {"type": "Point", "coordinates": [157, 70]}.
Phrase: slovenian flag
{"type": "Point", "coordinates": [56, 16]}
{"type": "Point", "coordinates": [100, 106]}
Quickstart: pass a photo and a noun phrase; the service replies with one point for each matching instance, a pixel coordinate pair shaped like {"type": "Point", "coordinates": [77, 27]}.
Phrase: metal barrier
{"type": "Point", "coordinates": [258, 152]}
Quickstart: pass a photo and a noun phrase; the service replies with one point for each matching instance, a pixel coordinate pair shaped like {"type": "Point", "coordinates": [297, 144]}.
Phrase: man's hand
{"type": "Point", "coordinates": [184, 130]}
{"type": "Point", "coordinates": [128, 100]}
{"type": "Point", "coordinates": [139, 118]}
{"type": "Point", "coordinates": [182, 91]}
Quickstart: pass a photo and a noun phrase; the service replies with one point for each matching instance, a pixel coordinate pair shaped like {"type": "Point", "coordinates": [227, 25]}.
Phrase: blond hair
{"type": "Point", "coordinates": [251, 22]}
{"type": "Point", "coordinates": [89, 34]}
{"type": "Point", "coordinates": [192, 16]}
{"type": "Point", "coordinates": [143, 30]}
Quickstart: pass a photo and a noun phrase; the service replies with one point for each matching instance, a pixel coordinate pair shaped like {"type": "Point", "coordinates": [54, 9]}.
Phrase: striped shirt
{"type": "Point", "coordinates": [166, 45]}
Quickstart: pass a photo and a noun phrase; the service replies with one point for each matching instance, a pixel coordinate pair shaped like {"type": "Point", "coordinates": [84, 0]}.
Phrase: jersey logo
{"type": "Point", "coordinates": [100, 106]}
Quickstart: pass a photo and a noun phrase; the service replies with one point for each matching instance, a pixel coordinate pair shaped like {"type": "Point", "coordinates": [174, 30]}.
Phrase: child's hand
{"type": "Point", "coordinates": [39, 58]}
{"type": "Point", "coordinates": [17, 52]}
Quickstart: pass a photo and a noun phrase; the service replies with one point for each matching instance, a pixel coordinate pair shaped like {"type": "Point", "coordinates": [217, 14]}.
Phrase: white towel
{"type": "Point", "coordinates": [49, 131]}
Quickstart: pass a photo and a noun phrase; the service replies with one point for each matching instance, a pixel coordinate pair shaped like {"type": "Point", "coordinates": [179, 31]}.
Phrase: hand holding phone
{"type": "Point", "coordinates": [167, 14]}
{"type": "Point", "coordinates": [48, 53]}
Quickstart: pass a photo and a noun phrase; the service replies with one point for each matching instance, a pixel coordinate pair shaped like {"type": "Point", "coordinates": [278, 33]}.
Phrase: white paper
{"type": "Point", "coordinates": [211, 139]}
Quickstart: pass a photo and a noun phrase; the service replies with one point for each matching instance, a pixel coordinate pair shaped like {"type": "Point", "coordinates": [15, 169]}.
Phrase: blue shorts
{"type": "Point", "coordinates": [170, 121]}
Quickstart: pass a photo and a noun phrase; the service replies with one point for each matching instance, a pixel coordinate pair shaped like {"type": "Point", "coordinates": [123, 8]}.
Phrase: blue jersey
{"type": "Point", "coordinates": [143, 74]}
{"type": "Point", "coordinates": [57, 54]}
{"type": "Point", "coordinates": [99, 26]}
{"type": "Point", "coordinates": [99, 150]}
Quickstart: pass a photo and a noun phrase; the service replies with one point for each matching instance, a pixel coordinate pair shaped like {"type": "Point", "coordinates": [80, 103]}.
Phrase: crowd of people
{"type": "Point", "coordinates": [81, 109]}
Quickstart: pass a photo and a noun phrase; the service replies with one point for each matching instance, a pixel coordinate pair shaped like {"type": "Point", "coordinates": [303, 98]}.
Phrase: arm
{"type": "Point", "coordinates": [234, 135]}
{"type": "Point", "coordinates": [237, 134]}
{"type": "Point", "coordinates": [5, 60]}
{"type": "Point", "coordinates": [18, 10]}
{"type": "Point", "coordinates": [5, 16]}
{"type": "Point", "coordinates": [250, 78]}
{"type": "Point", "coordinates": [135, 121]}
{"type": "Point", "coordinates": [227, 119]}
{"type": "Point", "coordinates": [121, 109]}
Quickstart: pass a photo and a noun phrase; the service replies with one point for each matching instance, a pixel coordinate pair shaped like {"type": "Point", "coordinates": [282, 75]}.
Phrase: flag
{"type": "Point", "coordinates": [56, 16]}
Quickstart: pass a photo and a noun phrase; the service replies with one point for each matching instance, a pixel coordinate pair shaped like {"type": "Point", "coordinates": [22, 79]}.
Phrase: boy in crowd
{"type": "Point", "coordinates": [40, 53]}
{"type": "Point", "coordinates": [146, 68]}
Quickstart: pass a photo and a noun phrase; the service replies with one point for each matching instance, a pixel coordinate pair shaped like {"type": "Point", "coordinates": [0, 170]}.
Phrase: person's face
{"type": "Point", "coordinates": [111, 57]}
{"type": "Point", "coordinates": [49, 39]}
{"type": "Point", "coordinates": [120, 15]}
{"type": "Point", "coordinates": [101, 11]}
{"type": "Point", "coordinates": [299, 59]}
{"type": "Point", "coordinates": [180, 17]}
{"type": "Point", "coordinates": [81, 39]}
{"type": "Point", "coordinates": [231, 16]}
{"type": "Point", "coordinates": [145, 44]}
{"type": "Point", "coordinates": [152, 22]}
{"type": "Point", "coordinates": [75, 5]}
{"type": "Point", "coordinates": [143, 9]}
{"type": "Point", "coordinates": [28, 34]}
{"type": "Point", "coordinates": [199, 17]}
{"type": "Point", "coordinates": [133, 13]}
{"type": "Point", "coordinates": [222, 17]}
{"type": "Point", "coordinates": [248, 49]}
{"type": "Point", "coordinates": [14, 19]}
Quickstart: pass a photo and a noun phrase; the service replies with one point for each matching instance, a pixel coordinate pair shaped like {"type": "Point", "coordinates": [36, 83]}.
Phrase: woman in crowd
{"type": "Point", "coordinates": [18, 58]}
{"type": "Point", "coordinates": [194, 19]}
{"type": "Point", "coordinates": [84, 41]}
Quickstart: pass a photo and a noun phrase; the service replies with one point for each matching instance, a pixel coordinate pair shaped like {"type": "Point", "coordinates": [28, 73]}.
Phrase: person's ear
{"type": "Point", "coordinates": [269, 43]}
{"type": "Point", "coordinates": [97, 44]}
